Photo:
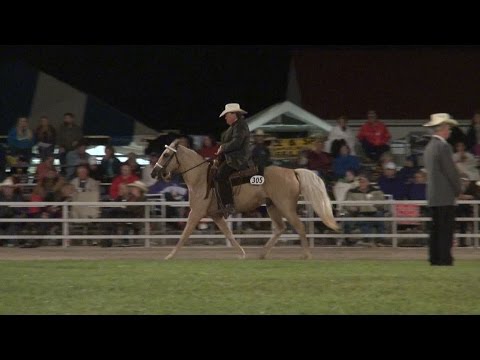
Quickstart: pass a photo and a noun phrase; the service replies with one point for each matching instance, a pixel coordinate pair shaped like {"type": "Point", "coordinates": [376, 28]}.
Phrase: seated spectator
{"type": "Point", "coordinates": [344, 161]}
{"type": "Point", "coordinates": [374, 136]}
{"type": "Point", "coordinates": [365, 192]}
{"type": "Point", "coordinates": [260, 151]}
{"type": "Point", "coordinates": [470, 191]}
{"type": "Point", "coordinates": [83, 182]}
{"type": "Point", "coordinates": [339, 135]}
{"type": "Point", "coordinates": [68, 136]}
{"type": "Point", "coordinates": [209, 148]}
{"type": "Point", "coordinates": [110, 165]}
{"type": "Point", "coordinates": [125, 177]}
{"type": "Point", "coordinates": [52, 184]}
{"type": "Point", "coordinates": [94, 170]}
{"type": "Point", "coordinates": [418, 189]}
{"type": "Point", "coordinates": [8, 193]}
{"type": "Point", "coordinates": [473, 135]}
{"type": "Point", "coordinates": [132, 162]}
{"type": "Point", "coordinates": [466, 162]}
{"type": "Point", "coordinates": [45, 136]}
{"type": "Point", "coordinates": [76, 157]}
{"type": "Point", "coordinates": [44, 167]}
{"type": "Point", "coordinates": [410, 168]}
{"type": "Point", "coordinates": [21, 140]}
{"type": "Point", "coordinates": [342, 186]}
{"type": "Point", "coordinates": [320, 161]}
{"type": "Point", "coordinates": [391, 184]}
{"type": "Point", "coordinates": [19, 171]}
{"type": "Point", "coordinates": [147, 170]}
{"type": "Point", "coordinates": [457, 135]}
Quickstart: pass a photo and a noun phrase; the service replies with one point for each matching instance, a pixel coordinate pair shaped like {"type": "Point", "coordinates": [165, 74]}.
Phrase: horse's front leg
{"type": "Point", "coordinates": [193, 220]}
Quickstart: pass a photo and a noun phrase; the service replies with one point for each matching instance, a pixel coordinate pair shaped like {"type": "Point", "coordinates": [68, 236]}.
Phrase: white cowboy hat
{"type": "Point", "coordinates": [233, 107]}
{"type": "Point", "coordinates": [8, 182]}
{"type": "Point", "coordinates": [441, 118]}
{"type": "Point", "coordinates": [140, 185]}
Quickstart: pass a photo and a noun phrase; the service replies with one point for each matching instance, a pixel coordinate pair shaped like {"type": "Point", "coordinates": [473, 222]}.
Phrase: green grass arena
{"type": "Point", "coordinates": [211, 281]}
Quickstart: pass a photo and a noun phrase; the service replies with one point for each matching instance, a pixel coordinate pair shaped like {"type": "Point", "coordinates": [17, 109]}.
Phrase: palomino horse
{"type": "Point", "coordinates": [282, 187]}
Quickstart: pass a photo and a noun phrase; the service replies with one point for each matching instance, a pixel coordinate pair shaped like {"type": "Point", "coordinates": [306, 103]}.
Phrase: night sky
{"type": "Point", "coordinates": [167, 86]}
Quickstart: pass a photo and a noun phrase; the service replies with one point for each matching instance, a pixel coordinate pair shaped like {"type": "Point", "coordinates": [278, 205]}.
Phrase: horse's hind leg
{"type": "Point", "coordinates": [192, 222]}
{"type": "Point", "coordinates": [293, 219]}
{"type": "Point", "coordinates": [278, 229]}
{"type": "Point", "coordinates": [222, 225]}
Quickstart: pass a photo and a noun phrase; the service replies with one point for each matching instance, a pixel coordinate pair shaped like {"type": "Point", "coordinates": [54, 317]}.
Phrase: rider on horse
{"type": "Point", "coordinates": [234, 153]}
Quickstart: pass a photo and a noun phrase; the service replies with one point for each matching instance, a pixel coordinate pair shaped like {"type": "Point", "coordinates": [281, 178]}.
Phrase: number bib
{"type": "Point", "coordinates": [257, 180]}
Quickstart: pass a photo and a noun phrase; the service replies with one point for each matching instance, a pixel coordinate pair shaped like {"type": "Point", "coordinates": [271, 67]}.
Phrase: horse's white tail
{"type": "Point", "coordinates": [313, 189]}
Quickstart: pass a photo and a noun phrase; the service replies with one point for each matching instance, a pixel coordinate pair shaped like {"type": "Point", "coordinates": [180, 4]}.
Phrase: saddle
{"type": "Point", "coordinates": [237, 178]}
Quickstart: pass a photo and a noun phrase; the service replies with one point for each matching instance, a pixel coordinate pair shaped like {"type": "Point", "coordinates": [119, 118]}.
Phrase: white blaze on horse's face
{"type": "Point", "coordinates": [168, 162]}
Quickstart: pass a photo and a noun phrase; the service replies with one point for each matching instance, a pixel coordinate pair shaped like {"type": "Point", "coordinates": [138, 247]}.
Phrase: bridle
{"type": "Point", "coordinates": [176, 158]}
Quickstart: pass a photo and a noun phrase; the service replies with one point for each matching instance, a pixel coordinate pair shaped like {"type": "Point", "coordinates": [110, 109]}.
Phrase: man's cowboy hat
{"type": "Point", "coordinates": [233, 107]}
{"type": "Point", "coordinates": [8, 182]}
{"type": "Point", "coordinates": [441, 118]}
{"type": "Point", "coordinates": [140, 185]}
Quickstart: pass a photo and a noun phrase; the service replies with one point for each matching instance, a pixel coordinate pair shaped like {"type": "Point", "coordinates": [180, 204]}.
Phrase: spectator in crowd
{"type": "Point", "coordinates": [83, 182]}
{"type": "Point", "coordinates": [3, 162]}
{"type": "Point", "coordinates": [260, 151]}
{"type": "Point", "coordinates": [365, 192]}
{"type": "Point", "coordinates": [19, 171]}
{"type": "Point", "coordinates": [94, 169]}
{"type": "Point", "coordinates": [45, 136]}
{"type": "Point", "coordinates": [339, 135]}
{"type": "Point", "coordinates": [69, 135]}
{"type": "Point", "coordinates": [125, 177]}
{"type": "Point", "coordinates": [374, 136]}
{"type": "Point", "coordinates": [52, 182]}
{"type": "Point", "coordinates": [457, 135]}
{"type": "Point", "coordinates": [21, 140]}
{"type": "Point", "coordinates": [391, 184]}
{"type": "Point", "coordinates": [470, 191]}
{"type": "Point", "coordinates": [209, 147]}
{"type": "Point", "coordinates": [110, 165]}
{"type": "Point", "coordinates": [409, 169]}
{"type": "Point", "coordinates": [132, 162]}
{"type": "Point", "coordinates": [443, 187]}
{"type": "Point", "coordinates": [473, 135]}
{"type": "Point", "coordinates": [184, 140]}
{"type": "Point", "coordinates": [345, 161]}
{"type": "Point", "coordinates": [320, 161]}
{"type": "Point", "coordinates": [466, 162]}
{"type": "Point", "coordinates": [418, 189]}
{"type": "Point", "coordinates": [76, 157]}
{"type": "Point", "coordinates": [8, 193]}
{"type": "Point", "coordinates": [44, 167]}
{"type": "Point", "coordinates": [343, 185]}
{"type": "Point", "coordinates": [147, 170]}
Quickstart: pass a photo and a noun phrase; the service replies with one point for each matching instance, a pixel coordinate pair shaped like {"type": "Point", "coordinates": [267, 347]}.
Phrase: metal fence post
{"type": "Point", "coordinates": [147, 225]}
{"type": "Point", "coordinates": [65, 228]}
{"type": "Point", "coordinates": [311, 224]}
{"type": "Point", "coordinates": [475, 224]}
{"type": "Point", "coordinates": [394, 226]}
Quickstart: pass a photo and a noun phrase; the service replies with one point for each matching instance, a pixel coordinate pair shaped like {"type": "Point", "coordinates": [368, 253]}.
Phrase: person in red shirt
{"type": "Point", "coordinates": [209, 147]}
{"type": "Point", "coordinates": [125, 177]}
{"type": "Point", "coordinates": [374, 136]}
{"type": "Point", "coordinates": [319, 160]}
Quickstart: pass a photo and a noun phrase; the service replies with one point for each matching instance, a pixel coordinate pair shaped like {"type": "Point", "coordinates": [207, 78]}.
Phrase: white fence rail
{"type": "Point", "coordinates": [66, 220]}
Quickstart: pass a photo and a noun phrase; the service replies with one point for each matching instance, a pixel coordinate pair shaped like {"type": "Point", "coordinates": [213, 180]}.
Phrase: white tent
{"type": "Point", "coordinates": [287, 117]}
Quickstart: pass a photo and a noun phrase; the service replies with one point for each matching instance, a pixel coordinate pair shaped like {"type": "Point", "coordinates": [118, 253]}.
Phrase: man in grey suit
{"type": "Point", "coordinates": [443, 186]}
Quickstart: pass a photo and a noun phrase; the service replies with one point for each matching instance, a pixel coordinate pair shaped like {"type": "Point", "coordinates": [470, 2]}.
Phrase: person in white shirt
{"type": "Point", "coordinates": [341, 132]}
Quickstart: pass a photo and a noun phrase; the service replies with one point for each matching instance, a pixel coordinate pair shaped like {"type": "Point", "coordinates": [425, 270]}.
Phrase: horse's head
{"type": "Point", "coordinates": [167, 164]}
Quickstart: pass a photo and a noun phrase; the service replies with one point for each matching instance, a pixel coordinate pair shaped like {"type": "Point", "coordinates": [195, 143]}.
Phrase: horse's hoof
{"type": "Point", "coordinates": [263, 256]}
{"type": "Point", "coordinates": [307, 256]}
{"type": "Point", "coordinates": [168, 257]}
